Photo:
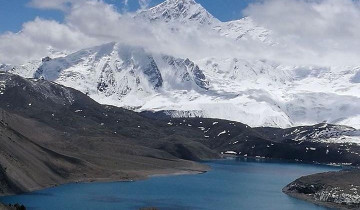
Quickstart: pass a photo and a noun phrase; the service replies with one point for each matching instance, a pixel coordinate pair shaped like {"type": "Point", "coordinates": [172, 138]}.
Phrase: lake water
{"type": "Point", "coordinates": [231, 184]}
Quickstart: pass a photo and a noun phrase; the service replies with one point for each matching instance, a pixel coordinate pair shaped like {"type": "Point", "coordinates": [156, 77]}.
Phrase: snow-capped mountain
{"type": "Point", "coordinates": [303, 95]}
{"type": "Point", "coordinates": [255, 92]}
{"type": "Point", "coordinates": [27, 69]}
{"type": "Point", "coordinates": [258, 93]}
{"type": "Point", "coordinates": [244, 29]}
{"type": "Point", "coordinates": [188, 12]}
{"type": "Point", "coordinates": [184, 11]}
{"type": "Point", "coordinates": [118, 74]}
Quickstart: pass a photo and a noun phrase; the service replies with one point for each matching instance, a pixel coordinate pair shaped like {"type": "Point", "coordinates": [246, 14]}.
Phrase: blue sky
{"type": "Point", "coordinates": [13, 13]}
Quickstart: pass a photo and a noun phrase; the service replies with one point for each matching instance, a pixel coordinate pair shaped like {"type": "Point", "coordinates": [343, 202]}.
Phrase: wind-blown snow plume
{"type": "Point", "coordinates": [144, 3]}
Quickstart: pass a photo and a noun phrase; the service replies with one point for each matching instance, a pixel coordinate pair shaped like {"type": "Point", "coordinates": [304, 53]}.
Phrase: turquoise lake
{"type": "Point", "coordinates": [230, 185]}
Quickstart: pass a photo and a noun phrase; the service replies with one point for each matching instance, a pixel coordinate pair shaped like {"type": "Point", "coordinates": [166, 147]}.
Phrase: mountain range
{"type": "Point", "coordinates": [254, 92]}
{"type": "Point", "coordinates": [51, 134]}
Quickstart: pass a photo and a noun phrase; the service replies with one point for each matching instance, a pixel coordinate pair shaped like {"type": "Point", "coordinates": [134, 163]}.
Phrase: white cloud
{"type": "Point", "coordinates": [320, 32]}
{"type": "Point", "coordinates": [54, 4]}
{"type": "Point", "coordinates": [94, 22]}
{"type": "Point", "coordinates": [36, 36]}
{"type": "Point", "coordinates": [312, 31]}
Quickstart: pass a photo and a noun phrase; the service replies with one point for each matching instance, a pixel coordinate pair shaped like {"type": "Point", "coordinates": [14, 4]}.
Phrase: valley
{"type": "Point", "coordinates": [51, 135]}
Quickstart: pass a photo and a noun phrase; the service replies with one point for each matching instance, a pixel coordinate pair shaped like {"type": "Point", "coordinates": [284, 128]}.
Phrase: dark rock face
{"type": "Point", "coordinates": [46, 59]}
{"type": "Point", "coordinates": [198, 75]}
{"type": "Point", "coordinates": [188, 71]}
{"type": "Point", "coordinates": [153, 74]}
{"type": "Point", "coordinates": [333, 189]}
{"type": "Point", "coordinates": [106, 79]}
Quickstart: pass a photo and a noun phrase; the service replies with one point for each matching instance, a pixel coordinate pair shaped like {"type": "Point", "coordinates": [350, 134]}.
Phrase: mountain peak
{"type": "Point", "coordinates": [183, 11]}
{"type": "Point", "coordinates": [179, 2]}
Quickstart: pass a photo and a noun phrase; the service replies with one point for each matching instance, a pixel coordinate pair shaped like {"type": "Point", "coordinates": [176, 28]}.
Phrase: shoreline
{"type": "Point", "coordinates": [159, 173]}
{"type": "Point", "coordinates": [337, 189]}
{"type": "Point", "coordinates": [144, 176]}
{"type": "Point", "coordinates": [336, 165]}
{"type": "Point", "coordinates": [310, 200]}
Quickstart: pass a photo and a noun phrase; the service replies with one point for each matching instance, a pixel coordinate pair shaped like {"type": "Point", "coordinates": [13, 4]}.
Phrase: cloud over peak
{"type": "Point", "coordinates": [326, 29]}
{"type": "Point", "coordinates": [306, 32]}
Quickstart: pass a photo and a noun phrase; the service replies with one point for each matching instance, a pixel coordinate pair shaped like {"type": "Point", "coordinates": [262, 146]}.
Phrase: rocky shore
{"type": "Point", "coordinates": [340, 190]}
{"type": "Point", "coordinates": [12, 207]}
